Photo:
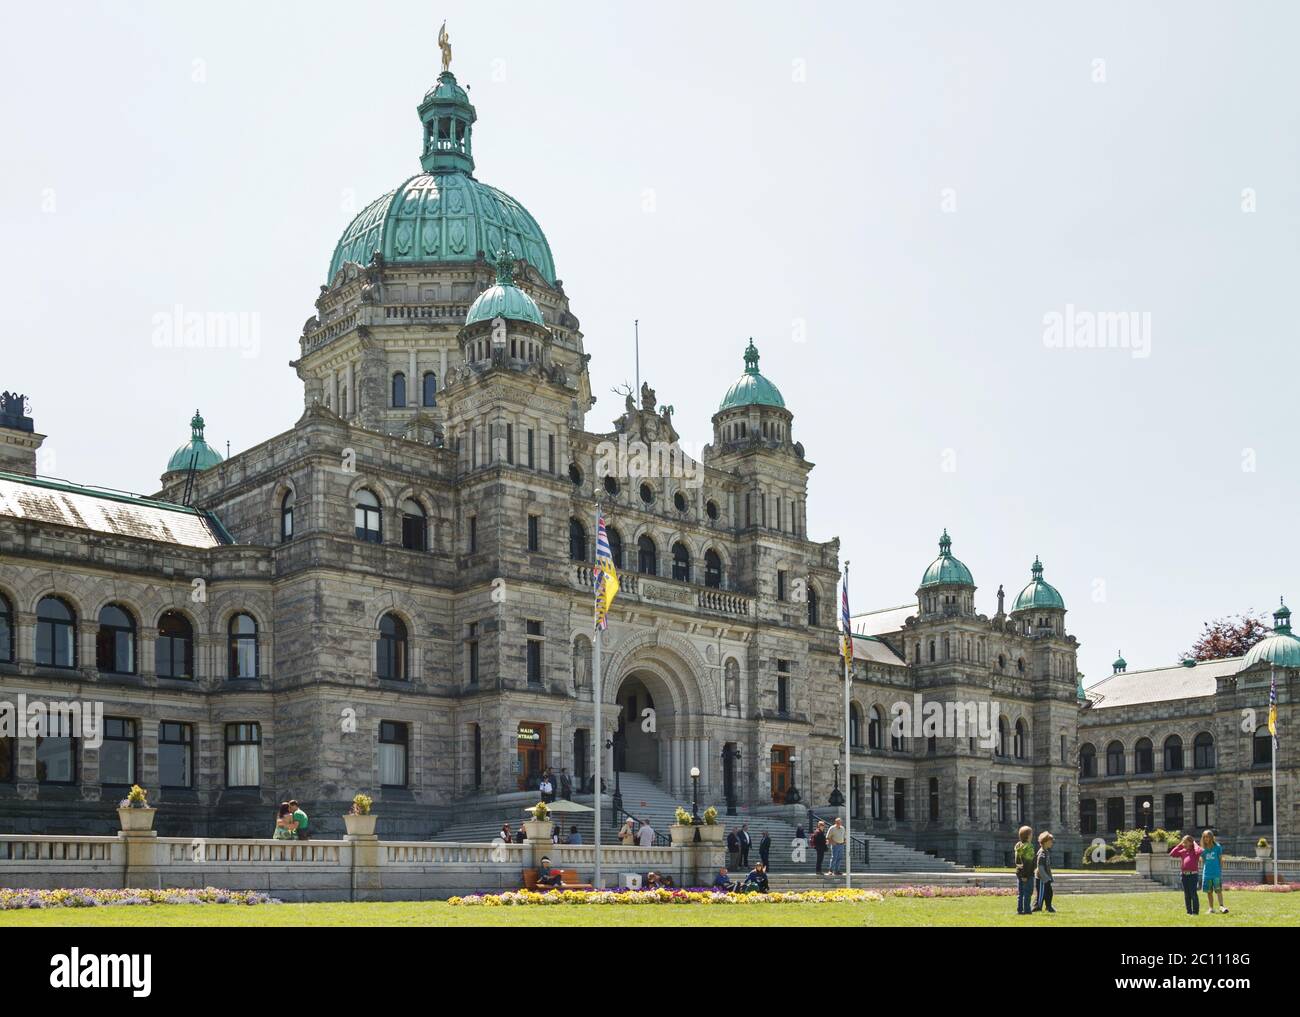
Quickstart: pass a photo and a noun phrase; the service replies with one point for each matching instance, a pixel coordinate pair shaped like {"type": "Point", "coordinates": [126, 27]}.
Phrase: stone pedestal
{"type": "Point", "coordinates": [143, 864]}
{"type": "Point", "coordinates": [367, 876]}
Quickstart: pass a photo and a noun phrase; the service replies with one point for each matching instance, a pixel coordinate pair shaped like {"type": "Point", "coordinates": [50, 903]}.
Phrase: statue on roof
{"type": "Point", "coordinates": [647, 397]}
{"type": "Point", "coordinates": [444, 44]}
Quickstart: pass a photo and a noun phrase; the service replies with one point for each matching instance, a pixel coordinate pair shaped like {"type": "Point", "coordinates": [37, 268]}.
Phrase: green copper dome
{"type": "Point", "coordinates": [1281, 649]}
{"type": "Point", "coordinates": [196, 451]}
{"type": "Point", "coordinates": [1120, 664]}
{"type": "Point", "coordinates": [751, 388]}
{"type": "Point", "coordinates": [444, 214]}
{"type": "Point", "coordinates": [1039, 595]}
{"type": "Point", "coordinates": [946, 570]}
{"type": "Point", "coordinates": [505, 299]}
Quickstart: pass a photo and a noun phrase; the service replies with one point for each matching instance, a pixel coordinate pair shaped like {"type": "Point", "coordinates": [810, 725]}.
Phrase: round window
{"type": "Point", "coordinates": [679, 501]}
{"type": "Point", "coordinates": [611, 487]}
{"type": "Point", "coordinates": [647, 493]}
{"type": "Point", "coordinates": [712, 509]}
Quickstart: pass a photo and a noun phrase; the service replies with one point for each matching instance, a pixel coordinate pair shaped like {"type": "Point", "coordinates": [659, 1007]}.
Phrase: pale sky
{"type": "Point", "coordinates": [890, 198]}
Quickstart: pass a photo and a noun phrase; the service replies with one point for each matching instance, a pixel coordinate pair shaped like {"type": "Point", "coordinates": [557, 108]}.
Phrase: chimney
{"type": "Point", "coordinates": [18, 438]}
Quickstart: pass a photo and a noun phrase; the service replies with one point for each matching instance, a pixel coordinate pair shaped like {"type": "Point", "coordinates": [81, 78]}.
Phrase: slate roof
{"type": "Point", "coordinates": [888, 619]}
{"type": "Point", "coordinates": [876, 652]}
{"type": "Point", "coordinates": [1158, 684]}
{"type": "Point", "coordinates": [110, 512]}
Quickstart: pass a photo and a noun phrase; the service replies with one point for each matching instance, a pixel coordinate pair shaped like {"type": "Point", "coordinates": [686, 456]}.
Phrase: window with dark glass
{"type": "Point", "coordinates": [414, 526]}
{"type": "Point", "coordinates": [679, 501]}
{"type": "Point", "coordinates": [534, 652]}
{"type": "Point", "coordinates": [647, 557]}
{"type": "Point", "coordinates": [56, 634]}
{"type": "Point", "coordinates": [1263, 806]}
{"type": "Point", "coordinates": [534, 533]}
{"type": "Point", "coordinates": [393, 744]}
{"type": "Point", "coordinates": [1114, 760]}
{"type": "Point", "coordinates": [1143, 756]}
{"type": "Point", "coordinates": [430, 384]}
{"type": "Point", "coordinates": [782, 694]}
{"type": "Point", "coordinates": [615, 546]}
{"type": "Point", "coordinates": [1114, 814]}
{"type": "Point", "coordinates": [473, 534]}
{"type": "Point", "coordinates": [550, 453]}
{"type": "Point", "coordinates": [577, 540]}
{"type": "Point", "coordinates": [1262, 747]}
{"type": "Point", "coordinates": [611, 487]}
{"type": "Point", "coordinates": [175, 755]}
{"type": "Point", "coordinates": [1204, 805]}
{"type": "Point", "coordinates": [510, 444]}
{"type": "Point", "coordinates": [56, 757]}
{"type": "Point", "coordinates": [242, 653]}
{"type": "Point", "coordinates": [286, 517]}
{"type": "Point", "coordinates": [1173, 754]}
{"type": "Point", "coordinates": [1173, 812]}
{"type": "Point", "coordinates": [115, 641]}
{"type": "Point", "coordinates": [174, 649]}
{"type": "Point", "coordinates": [647, 493]}
{"type": "Point", "coordinates": [1087, 816]}
{"type": "Point", "coordinates": [970, 798]}
{"type": "Point", "coordinates": [243, 755]}
{"type": "Point", "coordinates": [873, 728]}
{"type": "Point", "coordinates": [1002, 803]}
{"type": "Point", "coordinates": [855, 727]}
{"type": "Point", "coordinates": [472, 645]}
{"type": "Point", "coordinates": [117, 754]}
{"type": "Point", "coordinates": [1021, 743]}
{"type": "Point", "coordinates": [532, 441]}
{"type": "Point", "coordinates": [399, 391]}
{"type": "Point", "coordinates": [8, 760]}
{"type": "Point", "coordinates": [900, 798]}
{"type": "Point", "coordinates": [1004, 736]}
{"type": "Point", "coordinates": [6, 629]}
{"type": "Point", "coordinates": [712, 569]}
{"type": "Point", "coordinates": [575, 474]}
{"type": "Point", "coordinates": [934, 799]}
{"type": "Point", "coordinates": [780, 584]}
{"type": "Point", "coordinates": [681, 563]}
{"type": "Point", "coordinates": [369, 518]}
{"type": "Point", "coordinates": [812, 606]}
{"type": "Point", "coordinates": [877, 797]}
{"type": "Point", "coordinates": [1203, 751]}
{"type": "Point", "coordinates": [390, 651]}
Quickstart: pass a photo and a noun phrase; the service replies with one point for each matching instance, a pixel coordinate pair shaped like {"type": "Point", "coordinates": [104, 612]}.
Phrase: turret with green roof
{"type": "Point", "coordinates": [196, 452]}
{"type": "Point", "coordinates": [1038, 595]}
{"type": "Point", "coordinates": [1281, 649]}
{"type": "Point", "coordinates": [751, 388]}
{"type": "Point", "coordinates": [504, 300]}
{"type": "Point", "coordinates": [946, 570]}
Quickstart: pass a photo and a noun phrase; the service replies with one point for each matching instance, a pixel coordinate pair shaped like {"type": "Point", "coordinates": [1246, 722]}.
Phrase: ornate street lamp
{"type": "Point", "coordinates": [837, 796]}
{"type": "Point", "coordinates": [792, 796]}
{"type": "Point", "coordinates": [729, 756]}
{"type": "Point", "coordinates": [695, 806]}
{"type": "Point", "coordinates": [618, 784]}
{"type": "Point", "coordinates": [1146, 813]}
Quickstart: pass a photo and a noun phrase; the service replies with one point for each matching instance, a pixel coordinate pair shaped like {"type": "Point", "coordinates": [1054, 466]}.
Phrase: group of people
{"type": "Point", "coordinates": [1033, 868]}
{"type": "Point", "coordinates": [636, 832]}
{"type": "Point", "coordinates": [740, 843]}
{"type": "Point", "coordinates": [1201, 864]}
{"type": "Point", "coordinates": [754, 882]}
{"type": "Point", "coordinates": [547, 786]}
{"type": "Point", "coordinates": [558, 836]}
{"type": "Point", "coordinates": [834, 838]}
{"type": "Point", "coordinates": [291, 823]}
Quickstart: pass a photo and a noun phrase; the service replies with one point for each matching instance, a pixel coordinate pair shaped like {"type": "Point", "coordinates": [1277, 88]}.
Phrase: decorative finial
{"type": "Point", "coordinates": [945, 543]}
{"type": "Point", "coordinates": [505, 264]}
{"type": "Point", "coordinates": [751, 358]}
{"type": "Point", "coordinates": [1037, 569]}
{"type": "Point", "coordinates": [196, 425]}
{"type": "Point", "coordinates": [444, 44]}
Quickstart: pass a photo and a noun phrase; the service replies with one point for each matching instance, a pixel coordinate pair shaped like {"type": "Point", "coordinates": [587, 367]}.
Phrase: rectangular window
{"type": "Point", "coordinates": [1263, 806]}
{"type": "Point", "coordinates": [877, 797]}
{"type": "Point", "coordinates": [393, 740]}
{"type": "Point", "coordinates": [1088, 816]}
{"type": "Point", "coordinates": [243, 755]}
{"type": "Point", "coordinates": [783, 687]}
{"type": "Point", "coordinates": [473, 534]}
{"type": "Point", "coordinates": [1021, 808]}
{"type": "Point", "coordinates": [900, 799]}
{"type": "Point", "coordinates": [534, 540]}
{"type": "Point", "coordinates": [1142, 819]}
{"type": "Point", "coordinates": [510, 444]}
{"type": "Point", "coordinates": [1114, 815]}
{"type": "Point", "coordinates": [472, 642]}
{"type": "Point", "coordinates": [550, 453]}
{"type": "Point", "coordinates": [531, 443]}
{"type": "Point", "coordinates": [117, 754]}
{"type": "Point", "coordinates": [175, 755]}
{"type": "Point", "coordinates": [1173, 812]}
{"type": "Point", "coordinates": [1204, 804]}
{"type": "Point", "coordinates": [780, 584]}
{"type": "Point", "coordinates": [56, 759]}
{"type": "Point", "coordinates": [8, 755]}
{"type": "Point", "coordinates": [1002, 803]}
{"type": "Point", "coordinates": [534, 653]}
{"type": "Point", "coordinates": [473, 448]}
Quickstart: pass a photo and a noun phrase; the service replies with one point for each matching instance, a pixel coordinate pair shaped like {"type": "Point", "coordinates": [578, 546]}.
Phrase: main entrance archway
{"type": "Point", "coordinates": [636, 740]}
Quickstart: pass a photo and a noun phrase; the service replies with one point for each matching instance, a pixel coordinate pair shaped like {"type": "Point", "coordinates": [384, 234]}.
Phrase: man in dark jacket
{"type": "Point", "coordinates": [765, 848]}
{"type": "Point", "coordinates": [745, 843]}
{"type": "Point", "coordinates": [733, 848]}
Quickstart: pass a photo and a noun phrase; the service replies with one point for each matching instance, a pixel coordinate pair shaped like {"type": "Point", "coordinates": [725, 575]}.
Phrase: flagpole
{"type": "Point", "coordinates": [848, 774]}
{"type": "Point", "coordinates": [600, 746]}
{"type": "Point", "coordinates": [1277, 848]}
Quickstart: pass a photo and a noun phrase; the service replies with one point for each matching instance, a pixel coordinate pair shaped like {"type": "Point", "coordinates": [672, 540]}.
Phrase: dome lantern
{"type": "Point", "coordinates": [196, 452]}
{"type": "Point", "coordinates": [947, 570]}
{"type": "Point", "coordinates": [1038, 595]}
{"type": "Point", "coordinates": [751, 388]}
{"type": "Point", "coordinates": [1281, 649]}
{"type": "Point", "coordinates": [505, 300]}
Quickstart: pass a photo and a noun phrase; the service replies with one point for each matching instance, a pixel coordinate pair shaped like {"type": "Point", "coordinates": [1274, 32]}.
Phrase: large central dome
{"type": "Point", "coordinates": [444, 214]}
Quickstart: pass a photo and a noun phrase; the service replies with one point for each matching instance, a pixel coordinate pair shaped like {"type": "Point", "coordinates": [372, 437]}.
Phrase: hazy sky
{"type": "Point", "coordinates": [892, 199]}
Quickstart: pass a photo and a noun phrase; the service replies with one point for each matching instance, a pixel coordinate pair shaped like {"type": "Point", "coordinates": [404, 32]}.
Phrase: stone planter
{"type": "Point", "coordinates": [360, 826]}
{"type": "Point", "coordinates": [681, 835]}
{"type": "Point", "coordinates": [136, 820]}
{"type": "Point", "coordinates": [714, 834]}
{"type": "Point", "coordinates": [538, 832]}
{"type": "Point", "coordinates": [1263, 852]}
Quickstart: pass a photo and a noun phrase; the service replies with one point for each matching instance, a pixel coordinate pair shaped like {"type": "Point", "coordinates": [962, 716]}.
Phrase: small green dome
{"type": "Point", "coordinates": [946, 570]}
{"type": "Point", "coordinates": [1039, 595]}
{"type": "Point", "coordinates": [196, 451]}
{"type": "Point", "coordinates": [505, 299]}
{"type": "Point", "coordinates": [751, 388]}
{"type": "Point", "coordinates": [1120, 663]}
{"type": "Point", "coordinates": [1281, 649]}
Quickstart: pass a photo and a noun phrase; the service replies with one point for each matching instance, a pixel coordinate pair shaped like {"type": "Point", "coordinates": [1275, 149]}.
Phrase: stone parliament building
{"type": "Point", "coordinates": [394, 596]}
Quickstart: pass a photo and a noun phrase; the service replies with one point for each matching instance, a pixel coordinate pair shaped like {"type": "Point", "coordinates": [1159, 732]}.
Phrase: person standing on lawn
{"type": "Point", "coordinates": [765, 847]}
{"type": "Point", "coordinates": [1026, 862]}
{"type": "Point", "coordinates": [1212, 874]}
{"type": "Point", "coordinates": [1043, 872]}
{"type": "Point", "coordinates": [837, 837]}
{"type": "Point", "coordinates": [1190, 852]}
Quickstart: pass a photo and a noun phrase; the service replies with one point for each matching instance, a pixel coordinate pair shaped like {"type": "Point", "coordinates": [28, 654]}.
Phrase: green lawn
{"type": "Point", "coordinates": [1126, 909]}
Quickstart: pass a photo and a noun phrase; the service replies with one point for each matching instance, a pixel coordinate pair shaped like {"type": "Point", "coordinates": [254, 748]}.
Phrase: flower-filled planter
{"type": "Point", "coordinates": [712, 832]}
{"type": "Point", "coordinates": [134, 813]}
{"type": "Point", "coordinates": [359, 820]}
{"type": "Point", "coordinates": [681, 835]}
{"type": "Point", "coordinates": [1263, 849]}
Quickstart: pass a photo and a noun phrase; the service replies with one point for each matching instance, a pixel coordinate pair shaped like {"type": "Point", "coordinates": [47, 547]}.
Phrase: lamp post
{"type": "Point", "coordinates": [837, 797]}
{"type": "Point", "coordinates": [695, 805]}
{"type": "Point", "coordinates": [792, 796]}
{"type": "Point", "coordinates": [1146, 813]}
{"type": "Point", "coordinates": [729, 758]}
{"type": "Point", "coordinates": [617, 802]}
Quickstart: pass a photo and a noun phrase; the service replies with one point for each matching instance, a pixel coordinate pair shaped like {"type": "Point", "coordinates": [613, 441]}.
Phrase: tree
{"type": "Point", "coordinates": [1229, 637]}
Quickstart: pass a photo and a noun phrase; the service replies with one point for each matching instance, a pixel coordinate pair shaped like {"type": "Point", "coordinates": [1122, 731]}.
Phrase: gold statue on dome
{"type": "Point", "coordinates": [444, 44]}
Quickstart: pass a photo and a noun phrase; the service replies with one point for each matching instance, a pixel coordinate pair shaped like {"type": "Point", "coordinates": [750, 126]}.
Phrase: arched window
{"type": "Point", "coordinates": [286, 517]}
{"type": "Point", "coordinates": [681, 563]}
{"type": "Point", "coordinates": [390, 656]}
{"type": "Point", "coordinates": [615, 546]}
{"type": "Point", "coordinates": [1021, 745]}
{"type": "Point", "coordinates": [647, 557]}
{"type": "Point", "coordinates": [931, 651]}
{"type": "Point", "coordinates": [6, 629]}
{"type": "Point", "coordinates": [1115, 760]}
{"type": "Point", "coordinates": [712, 569]}
{"type": "Point", "coordinates": [56, 633]}
{"type": "Point", "coordinates": [414, 527]}
{"type": "Point", "coordinates": [1020, 665]}
{"type": "Point", "coordinates": [1087, 760]}
{"type": "Point", "coordinates": [1173, 754]}
{"type": "Point", "coordinates": [1004, 736]}
{"type": "Point", "coordinates": [873, 728]}
{"type": "Point", "coordinates": [1144, 756]}
{"type": "Point", "coordinates": [115, 641]}
{"type": "Point", "coordinates": [430, 389]}
{"type": "Point", "coordinates": [1203, 751]}
{"type": "Point", "coordinates": [731, 674]}
{"type": "Point", "coordinates": [174, 650]}
{"type": "Point", "coordinates": [812, 606]}
{"type": "Point", "coordinates": [399, 391]}
{"type": "Point", "coordinates": [243, 647]}
{"type": "Point", "coordinates": [855, 726]}
{"type": "Point", "coordinates": [577, 540]}
{"type": "Point", "coordinates": [369, 518]}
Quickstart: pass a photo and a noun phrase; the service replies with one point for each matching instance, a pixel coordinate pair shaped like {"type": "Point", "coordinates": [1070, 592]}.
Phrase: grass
{"type": "Point", "coordinates": [1150, 910]}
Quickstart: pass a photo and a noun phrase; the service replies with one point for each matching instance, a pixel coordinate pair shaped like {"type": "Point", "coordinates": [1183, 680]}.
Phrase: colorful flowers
{"type": "Point", "coordinates": [704, 895]}
{"type": "Point", "coordinates": [1260, 887]}
{"type": "Point", "coordinates": [12, 900]}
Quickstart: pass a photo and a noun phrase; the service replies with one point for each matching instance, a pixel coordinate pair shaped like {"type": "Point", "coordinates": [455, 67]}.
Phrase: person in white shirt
{"type": "Point", "coordinates": [646, 835]}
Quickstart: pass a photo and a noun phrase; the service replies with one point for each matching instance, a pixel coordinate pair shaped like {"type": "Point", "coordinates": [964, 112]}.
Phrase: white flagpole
{"type": "Point", "coordinates": [599, 744]}
{"type": "Point", "coordinates": [1277, 848]}
{"type": "Point", "coordinates": [848, 776]}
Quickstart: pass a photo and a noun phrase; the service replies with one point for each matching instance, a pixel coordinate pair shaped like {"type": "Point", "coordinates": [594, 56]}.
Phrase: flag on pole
{"type": "Point", "coordinates": [1272, 707]}
{"type": "Point", "coordinates": [604, 573]}
{"type": "Point", "coordinates": [847, 620]}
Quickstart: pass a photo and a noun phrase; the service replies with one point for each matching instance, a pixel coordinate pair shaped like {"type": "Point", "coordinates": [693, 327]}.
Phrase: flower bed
{"type": "Point", "coordinates": [1259, 887]}
{"type": "Point", "coordinates": [12, 900]}
{"type": "Point", "coordinates": [705, 895]}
